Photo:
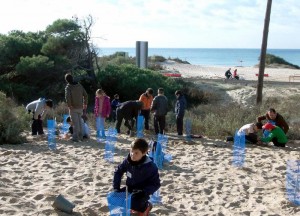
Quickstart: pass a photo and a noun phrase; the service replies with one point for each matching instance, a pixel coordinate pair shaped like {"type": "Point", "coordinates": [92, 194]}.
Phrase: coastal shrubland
{"type": "Point", "coordinates": [13, 121]}
{"type": "Point", "coordinates": [278, 62]}
{"type": "Point", "coordinates": [33, 65]}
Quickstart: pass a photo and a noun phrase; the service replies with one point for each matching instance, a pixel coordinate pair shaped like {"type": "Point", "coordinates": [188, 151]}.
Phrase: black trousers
{"type": "Point", "coordinates": [139, 202]}
{"type": "Point", "coordinates": [129, 123]}
{"type": "Point", "coordinates": [146, 114]}
{"type": "Point", "coordinates": [113, 115]}
{"type": "Point", "coordinates": [159, 124]}
{"type": "Point", "coordinates": [37, 127]}
{"type": "Point", "coordinates": [179, 124]}
{"type": "Point", "coordinates": [276, 143]}
{"type": "Point", "coordinates": [251, 138]}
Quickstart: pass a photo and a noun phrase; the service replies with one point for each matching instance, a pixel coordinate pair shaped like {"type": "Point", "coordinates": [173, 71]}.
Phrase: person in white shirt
{"type": "Point", "coordinates": [250, 131]}
{"type": "Point", "coordinates": [39, 109]}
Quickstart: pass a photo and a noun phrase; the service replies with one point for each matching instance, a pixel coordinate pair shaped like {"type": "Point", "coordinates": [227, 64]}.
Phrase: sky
{"type": "Point", "coordinates": [164, 23]}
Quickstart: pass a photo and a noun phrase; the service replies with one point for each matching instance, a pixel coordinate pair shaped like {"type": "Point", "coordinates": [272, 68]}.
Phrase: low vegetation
{"type": "Point", "coordinates": [276, 61]}
{"type": "Point", "coordinates": [13, 121]}
{"type": "Point", "coordinates": [33, 65]}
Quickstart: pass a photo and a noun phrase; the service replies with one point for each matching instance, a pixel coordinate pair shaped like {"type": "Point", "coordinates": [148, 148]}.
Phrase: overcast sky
{"type": "Point", "coordinates": [165, 23]}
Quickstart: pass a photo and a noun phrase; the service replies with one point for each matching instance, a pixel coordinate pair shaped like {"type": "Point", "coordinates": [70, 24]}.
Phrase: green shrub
{"type": "Point", "coordinates": [12, 121]}
{"type": "Point", "coordinates": [273, 59]}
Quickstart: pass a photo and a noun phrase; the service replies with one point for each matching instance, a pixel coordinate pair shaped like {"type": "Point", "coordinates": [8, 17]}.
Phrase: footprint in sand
{"type": "Point", "coordinates": [38, 197]}
{"type": "Point", "coordinates": [27, 183]}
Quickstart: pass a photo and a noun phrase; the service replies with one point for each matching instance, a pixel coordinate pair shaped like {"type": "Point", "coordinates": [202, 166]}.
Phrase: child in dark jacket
{"type": "Point", "coordinates": [114, 104]}
{"type": "Point", "coordinates": [142, 177]}
{"type": "Point", "coordinates": [180, 107]}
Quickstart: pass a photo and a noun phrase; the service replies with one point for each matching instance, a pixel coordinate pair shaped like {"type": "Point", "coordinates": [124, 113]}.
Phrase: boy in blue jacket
{"type": "Point", "coordinates": [180, 107]}
{"type": "Point", "coordinates": [142, 177]}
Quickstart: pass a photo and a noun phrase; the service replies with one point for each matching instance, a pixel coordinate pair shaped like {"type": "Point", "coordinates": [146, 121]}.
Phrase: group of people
{"type": "Point", "coordinates": [229, 75]}
{"type": "Point", "coordinates": [148, 104]}
{"type": "Point", "coordinates": [274, 129]}
{"type": "Point", "coordinates": [141, 172]}
{"type": "Point", "coordinates": [77, 99]}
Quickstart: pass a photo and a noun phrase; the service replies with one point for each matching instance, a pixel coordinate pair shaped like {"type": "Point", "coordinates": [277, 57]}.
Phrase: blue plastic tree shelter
{"type": "Point", "coordinates": [239, 149]}
{"type": "Point", "coordinates": [51, 124]}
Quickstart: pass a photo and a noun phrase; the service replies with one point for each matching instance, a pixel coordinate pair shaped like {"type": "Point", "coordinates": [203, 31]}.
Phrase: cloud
{"type": "Point", "coordinates": [164, 23]}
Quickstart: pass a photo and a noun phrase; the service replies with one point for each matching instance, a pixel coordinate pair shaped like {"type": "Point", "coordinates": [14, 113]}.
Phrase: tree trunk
{"type": "Point", "coordinates": [263, 54]}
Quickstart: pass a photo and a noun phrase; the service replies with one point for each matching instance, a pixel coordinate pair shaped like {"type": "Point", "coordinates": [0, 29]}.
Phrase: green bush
{"type": "Point", "coordinates": [273, 59]}
{"type": "Point", "coordinates": [13, 121]}
{"type": "Point", "coordinates": [130, 82]}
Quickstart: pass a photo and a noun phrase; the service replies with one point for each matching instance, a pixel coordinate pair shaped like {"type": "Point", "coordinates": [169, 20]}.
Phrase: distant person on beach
{"type": "Point", "coordinates": [147, 99]}
{"type": "Point", "coordinates": [228, 74]}
{"type": "Point", "coordinates": [128, 110]}
{"type": "Point", "coordinates": [276, 135]}
{"type": "Point", "coordinates": [76, 99]}
{"type": "Point", "coordinates": [235, 75]}
{"type": "Point", "coordinates": [180, 107]}
{"type": "Point", "coordinates": [275, 118]}
{"type": "Point", "coordinates": [160, 108]}
{"type": "Point", "coordinates": [114, 104]}
{"type": "Point", "coordinates": [250, 131]}
{"type": "Point", "coordinates": [142, 177]}
{"type": "Point", "coordinates": [39, 109]}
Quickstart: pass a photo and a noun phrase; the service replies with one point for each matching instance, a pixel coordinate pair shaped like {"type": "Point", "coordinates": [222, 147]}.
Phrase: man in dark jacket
{"type": "Point", "coordinates": [128, 110]}
{"type": "Point", "coordinates": [160, 108]}
{"type": "Point", "coordinates": [142, 177]}
{"type": "Point", "coordinates": [76, 98]}
{"type": "Point", "coordinates": [275, 118]}
{"type": "Point", "coordinates": [228, 74]}
{"type": "Point", "coordinates": [180, 107]}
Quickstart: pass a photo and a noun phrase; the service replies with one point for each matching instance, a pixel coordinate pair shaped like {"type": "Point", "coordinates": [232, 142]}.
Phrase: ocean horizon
{"type": "Point", "coordinates": [230, 57]}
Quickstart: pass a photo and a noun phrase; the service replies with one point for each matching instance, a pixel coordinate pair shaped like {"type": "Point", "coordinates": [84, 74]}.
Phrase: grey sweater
{"type": "Point", "coordinates": [160, 105]}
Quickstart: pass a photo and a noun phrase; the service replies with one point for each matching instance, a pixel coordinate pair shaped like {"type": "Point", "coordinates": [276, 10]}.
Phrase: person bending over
{"type": "Point", "coordinates": [275, 118]}
{"type": "Point", "coordinates": [128, 110]}
{"type": "Point", "coordinates": [276, 135]}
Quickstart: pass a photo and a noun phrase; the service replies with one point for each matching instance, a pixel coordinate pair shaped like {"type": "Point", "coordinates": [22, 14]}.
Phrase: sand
{"type": "Point", "coordinates": [245, 73]}
{"type": "Point", "coordinates": [199, 180]}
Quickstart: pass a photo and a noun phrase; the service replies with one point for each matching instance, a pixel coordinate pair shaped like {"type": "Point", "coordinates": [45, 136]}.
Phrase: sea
{"type": "Point", "coordinates": [230, 57]}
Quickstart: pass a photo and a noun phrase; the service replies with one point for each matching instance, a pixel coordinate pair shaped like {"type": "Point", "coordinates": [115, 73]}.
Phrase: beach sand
{"type": "Point", "coordinates": [217, 72]}
{"type": "Point", "coordinates": [199, 180]}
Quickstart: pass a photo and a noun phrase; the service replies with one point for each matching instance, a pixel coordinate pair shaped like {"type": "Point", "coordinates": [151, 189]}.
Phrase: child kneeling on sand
{"type": "Point", "coordinates": [276, 135]}
{"type": "Point", "coordinates": [86, 130]}
{"type": "Point", "coordinates": [142, 177]}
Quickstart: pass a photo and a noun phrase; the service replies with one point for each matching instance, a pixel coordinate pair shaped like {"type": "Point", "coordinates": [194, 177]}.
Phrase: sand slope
{"type": "Point", "coordinates": [200, 180]}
